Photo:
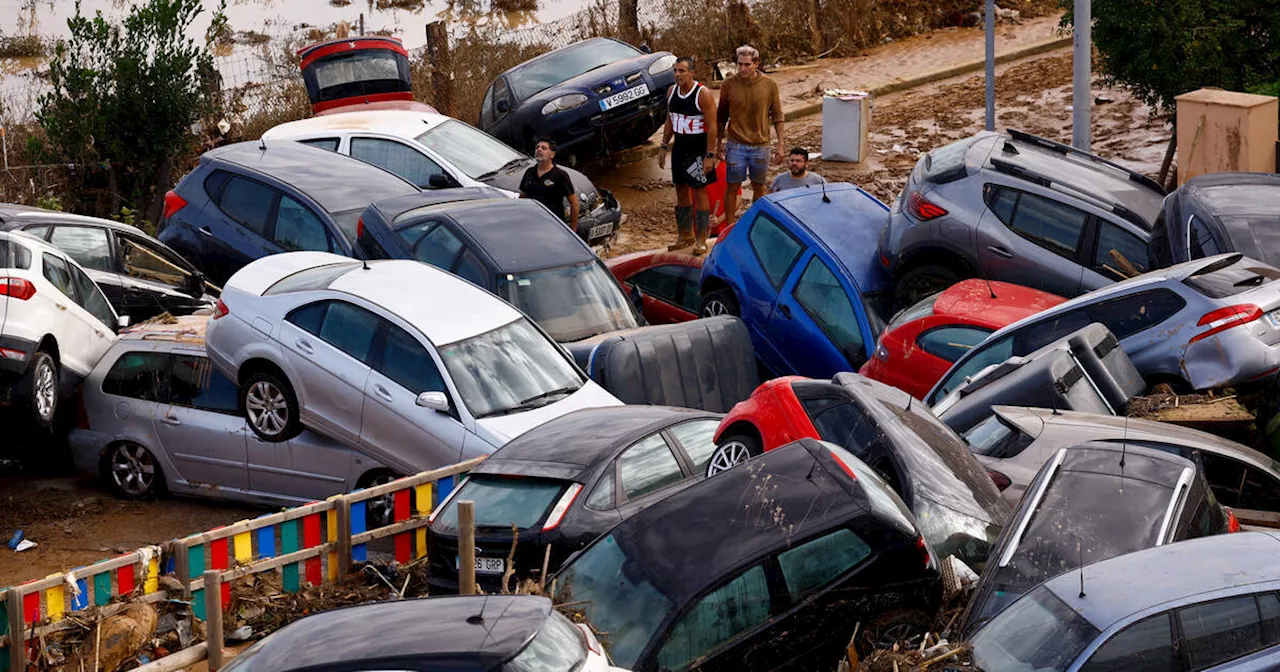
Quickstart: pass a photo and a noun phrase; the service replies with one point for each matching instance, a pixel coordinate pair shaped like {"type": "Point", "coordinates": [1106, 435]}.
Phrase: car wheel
{"type": "Point", "coordinates": [132, 471]}
{"type": "Point", "coordinates": [731, 452]}
{"type": "Point", "coordinates": [720, 302]}
{"type": "Point", "coordinates": [267, 401]}
{"type": "Point", "coordinates": [42, 388]}
{"type": "Point", "coordinates": [920, 282]}
{"type": "Point", "coordinates": [380, 511]}
{"type": "Point", "coordinates": [896, 626]}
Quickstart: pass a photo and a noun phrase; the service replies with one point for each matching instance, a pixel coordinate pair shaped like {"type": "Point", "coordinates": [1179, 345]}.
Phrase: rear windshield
{"type": "Point", "coordinates": [310, 279]}
{"type": "Point", "coordinates": [1039, 632]}
{"type": "Point", "coordinates": [1230, 276]}
{"type": "Point", "coordinates": [922, 309]}
{"type": "Point", "coordinates": [946, 164]}
{"type": "Point", "coordinates": [502, 501]}
{"type": "Point", "coordinates": [557, 646]}
{"type": "Point", "coordinates": [995, 437]}
{"type": "Point", "coordinates": [13, 255]}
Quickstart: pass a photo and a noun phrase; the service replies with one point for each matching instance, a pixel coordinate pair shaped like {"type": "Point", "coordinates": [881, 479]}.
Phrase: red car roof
{"type": "Point", "coordinates": [970, 300]}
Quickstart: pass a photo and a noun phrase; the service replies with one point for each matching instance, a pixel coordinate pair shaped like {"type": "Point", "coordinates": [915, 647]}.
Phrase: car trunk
{"type": "Point", "coordinates": [1245, 284]}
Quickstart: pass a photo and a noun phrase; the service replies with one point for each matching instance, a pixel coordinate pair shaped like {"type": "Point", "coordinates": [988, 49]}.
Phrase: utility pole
{"type": "Point", "coordinates": [990, 16]}
{"type": "Point", "coordinates": [1082, 59]}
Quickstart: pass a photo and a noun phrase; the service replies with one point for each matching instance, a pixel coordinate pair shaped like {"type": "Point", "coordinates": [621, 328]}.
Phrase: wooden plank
{"type": "Point", "coordinates": [388, 530]}
{"type": "Point", "coordinates": [55, 602]}
{"type": "Point", "coordinates": [125, 582]}
{"type": "Point", "coordinates": [341, 538]}
{"type": "Point", "coordinates": [176, 661]}
{"type": "Point", "coordinates": [243, 547]}
{"type": "Point", "coordinates": [289, 544]}
{"type": "Point", "coordinates": [311, 539]}
{"type": "Point", "coordinates": [1264, 519]}
{"type": "Point", "coordinates": [83, 572]}
{"type": "Point", "coordinates": [359, 552]}
{"type": "Point", "coordinates": [257, 523]}
{"type": "Point", "coordinates": [415, 480]}
{"type": "Point", "coordinates": [267, 542]}
{"type": "Point", "coordinates": [101, 589]}
{"type": "Point", "coordinates": [466, 547]}
{"type": "Point", "coordinates": [404, 550]}
{"type": "Point", "coordinates": [285, 561]}
{"type": "Point", "coordinates": [17, 640]}
{"type": "Point", "coordinates": [213, 620]}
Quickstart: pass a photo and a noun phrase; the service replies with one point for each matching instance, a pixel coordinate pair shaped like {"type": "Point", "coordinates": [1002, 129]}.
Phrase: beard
{"type": "Point", "coordinates": [798, 173]}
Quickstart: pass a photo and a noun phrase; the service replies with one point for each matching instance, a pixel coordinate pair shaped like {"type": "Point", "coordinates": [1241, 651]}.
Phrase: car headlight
{"type": "Point", "coordinates": [662, 64]}
{"type": "Point", "coordinates": [567, 102]}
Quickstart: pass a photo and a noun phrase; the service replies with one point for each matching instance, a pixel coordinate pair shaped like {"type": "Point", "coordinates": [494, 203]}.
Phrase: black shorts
{"type": "Point", "coordinates": [683, 159]}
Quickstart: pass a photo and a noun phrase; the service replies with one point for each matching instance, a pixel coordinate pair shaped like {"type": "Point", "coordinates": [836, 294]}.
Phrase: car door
{"type": "Point", "coordinates": [397, 157]}
{"type": "Point", "coordinates": [661, 288]}
{"type": "Point", "coordinates": [712, 630]}
{"type": "Point", "coordinates": [97, 314]}
{"type": "Point", "coordinates": [236, 223]}
{"type": "Point", "coordinates": [1031, 240]}
{"type": "Point", "coordinates": [501, 125]}
{"type": "Point", "coordinates": [296, 228]}
{"type": "Point", "coordinates": [1149, 644]}
{"type": "Point", "coordinates": [91, 247]}
{"type": "Point", "coordinates": [818, 322]}
{"type": "Point", "coordinates": [307, 468]}
{"type": "Point", "coordinates": [71, 326]}
{"type": "Point", "coordinates": [648, 470]}
{"type": "Point", "coordinates": [774, 252]}
{"type": "Point", "coordinates": [329, 344]}
{"type": "Point", "coordinates": [200, 427]}
{"type": "Point", "coordinates": [154, 279]}
{"type": "Point", "coordinates": [393, 422]}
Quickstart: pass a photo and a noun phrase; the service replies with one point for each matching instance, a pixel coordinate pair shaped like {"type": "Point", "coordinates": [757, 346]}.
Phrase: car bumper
{"type": "Point", "coordinates": [1232, 357]}
{"type": "Point", "coordinates": [86, 449]}
{"type": "Point", "coordinates": [889, 246]}
{"type": "Point", "coordinates": [603, 222]}
{"type": "Point", "coordinates": [15, 355]}
{"type": "Point", "coordinates": [605, 129]}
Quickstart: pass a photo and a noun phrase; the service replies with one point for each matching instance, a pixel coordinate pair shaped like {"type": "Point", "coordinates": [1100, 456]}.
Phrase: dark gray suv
{"type": "Point", "coordinates": [1018, 208]}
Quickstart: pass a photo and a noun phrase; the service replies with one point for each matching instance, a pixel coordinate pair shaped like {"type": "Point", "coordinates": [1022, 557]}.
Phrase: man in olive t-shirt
{"type": "Point", "coordinates": [749, 104]}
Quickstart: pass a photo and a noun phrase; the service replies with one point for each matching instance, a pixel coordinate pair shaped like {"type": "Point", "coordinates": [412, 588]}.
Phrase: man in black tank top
{"type": "Point", "coordinates": [691, 119]}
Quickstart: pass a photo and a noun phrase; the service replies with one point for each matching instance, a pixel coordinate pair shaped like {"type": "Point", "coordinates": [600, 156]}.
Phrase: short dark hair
{"type": "Point", "coordinates": [686, 59]}
{"type": "Point", "coordinates": [800, 151]}
{"type": "Point", "coordinates": [551, 144]}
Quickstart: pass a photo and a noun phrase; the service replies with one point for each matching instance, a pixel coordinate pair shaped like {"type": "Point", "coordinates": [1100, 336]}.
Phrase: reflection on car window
{"type": "Point", "coordinates": [198, 385]}
{"type": "Point", "coordinates": [598, 306]}
{"type": "Point", "coordinates": [809, 567]}
{"type": "Point", "coordinates": [1129, 315]}
{"type": "Point", "coordinates": [1120, 254]}
{"type": "Point", "coordinates": [408, 363]}
{"type": "Point", "coordinates": [697, 437]}
{"type": "Point", "coordinates": [984, 356]}
{"type": "Point", "coordinates": [398, 158]}
{"type": "Point", "coordinates": [824, 299]}
{"type": "Point", "coordinates": [648, 466]}
{"type": "Point", "coordinates": [86, 244]}
{"type": "Point", "coordinates": [996, 438]}
{"type": "Point", "coordinates": [602, 498]}
{"type": "Point", "coordinates": [717, 618]}
{"type": "Point", "coordinates": [1218, 631]}
{"type": "Point", "coordinates": [1145, 646]}
{"type": "Point", "coordinates": [473, 152]}
{"type": "Point", "coordinates": [567, 63]}
{"type": "Point", "coordinates": [557, 646]}
{"type": "Point", "coordinates": [330, 144]}
{"type": "Point", "coordinates": [298, 229]}
{"type": "Point", "coordinates": [139, 375]}
{"type": "Point", "coordinates": [1042, 333]}
{"type": "Point", "coordinates": [350, 329]}
{"type": "Point", "coordinates": [950, 343]}
{"type": "Point", "coordinates": [56, 272]}
{"type": "Point", "coordinates": [774, 247]}
{"type": "Point", "coordinates": [1236, 484]}
{"type": "Point", "coordinates": [501, 502]}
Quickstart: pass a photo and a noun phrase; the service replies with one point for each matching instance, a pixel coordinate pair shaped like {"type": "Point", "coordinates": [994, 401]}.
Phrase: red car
{"type": "Point", "coordinates": [668, 283]}
{"type": "Point", "coordinates": [922, 342]}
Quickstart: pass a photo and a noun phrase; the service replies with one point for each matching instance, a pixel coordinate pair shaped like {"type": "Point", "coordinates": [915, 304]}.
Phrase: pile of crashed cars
{"type": "Point", "coordinates": [341, 323]}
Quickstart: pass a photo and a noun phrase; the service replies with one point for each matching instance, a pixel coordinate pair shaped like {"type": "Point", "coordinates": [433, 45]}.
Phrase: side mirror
{"type": "Point", "coordinates": [441, 181]}
{"type": "Point", "coordinates": [503, 106]}
{"type": "Point", "coordinates": [436, 401]}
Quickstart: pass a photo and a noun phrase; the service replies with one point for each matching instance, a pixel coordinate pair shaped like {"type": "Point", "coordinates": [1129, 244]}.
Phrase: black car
{"type": "Point", "coordinates": [511, 247]}
{"type": "Point", "coordinates": [498, 633]}
{"type": "Point", "coordinates": [767, 566]}
{"type": "Point", "coordinates": [565, 482]}
{"type": "Point", "coordinates": [1090, 502]}
{"type": "Point", "coordinates": [247, 200]}
{"type": "Point", "coordinates": [591, 96]}
{"type": "Point", "coordinates": [1219, 212]}
{"type": "Point", "coordinates": [140, 275]}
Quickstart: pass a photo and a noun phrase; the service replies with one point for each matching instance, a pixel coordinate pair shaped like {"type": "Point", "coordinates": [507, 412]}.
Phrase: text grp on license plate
{"type": "Point", "coordinates": [599, 231]}
{"type": "Point", "coordinates": [624, 97]}
{"type": "Point", "coordinates": [490, 565]}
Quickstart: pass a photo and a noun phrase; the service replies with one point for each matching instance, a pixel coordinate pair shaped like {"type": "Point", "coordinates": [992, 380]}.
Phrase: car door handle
{"type": "Point", "coordinates": [996, 249]}
{"type": "Point", "coordinates": [170, 420]}
{"type": "Point", "coordinates": [61, 306]}
{"type": "Point", "coordinates": [205, 230]}
{"type": "Point", "coordinates": [785, 310]}
{"type": "Point", "coordinates": [305, 346]}
{"type": "Point", "coordinates": [382, 393]}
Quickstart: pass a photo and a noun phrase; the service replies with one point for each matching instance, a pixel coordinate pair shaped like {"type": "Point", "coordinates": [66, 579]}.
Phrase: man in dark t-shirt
{"type": "Point", "coordinates": [548, 184]}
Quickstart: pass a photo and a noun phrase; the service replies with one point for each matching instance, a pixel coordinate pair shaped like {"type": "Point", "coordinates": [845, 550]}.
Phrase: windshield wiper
{"type": "Point", "coordinates": [566, 390]}
{"type": "Point", "coordinates": [518, 161]}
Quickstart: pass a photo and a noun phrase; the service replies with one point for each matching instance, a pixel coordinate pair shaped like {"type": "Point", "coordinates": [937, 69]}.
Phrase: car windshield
{"type": "Point", "coordinates": [570, 302]}
{"type": "Point", "coordinates": [501, 502]}
{"type": "Point", "coordinates": [614, 595]}
{"type": "Point", "coordinates": [1037, 633]}
{"type": "Point", "coordinates": [510, 369]}
{"type": "Point", "coordinates": [558, 647]}
{"type": "Point", "coordinates": [477, 154]}
{"type": "Point", "coordinates": [566, 64]}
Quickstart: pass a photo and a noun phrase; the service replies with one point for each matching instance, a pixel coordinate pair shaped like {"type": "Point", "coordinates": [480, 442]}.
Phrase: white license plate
{"type": "Point", "coordinates": [634, 93]}
{"type": "Point", "coordinates": [599, 231]}
{"type": "Point", "coordinates": [1273, 318]}
{"type": "Point", "coordinates": [490, 565]}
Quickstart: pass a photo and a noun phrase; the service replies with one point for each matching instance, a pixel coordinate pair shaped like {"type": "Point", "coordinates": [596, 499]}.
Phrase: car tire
{"type": "Point", "coordinates": [732, 451]}
{"type": "Point", "coordinates": [41, 388]}
{"type": "Point", "coordinates": [899, 625]}
{"type": "Point", "coordinates": [269, 405]}
{"type": "Point", "coordinates": [380, 511]}
{"type": "Point", "coordinates": [132, 471]}
{"type": "Point", "coordinates": [921, 281]}
{"type": "Point", "coordinates": [720, 302]}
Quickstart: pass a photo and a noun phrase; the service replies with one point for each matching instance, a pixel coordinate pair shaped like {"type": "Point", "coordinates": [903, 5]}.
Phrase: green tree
{"type": "Point", "coordinates": [125, 96]}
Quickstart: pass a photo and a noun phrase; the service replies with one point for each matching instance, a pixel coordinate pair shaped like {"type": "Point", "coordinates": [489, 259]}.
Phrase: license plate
{"type": "Point", "coordinates": [490, 565]}
{"type": "Point", "coordinates": [599, 231]}
{"type": "Point", "coordinates": [1274, 318]}
{"type": "Point", "coordinates": [634, 93]}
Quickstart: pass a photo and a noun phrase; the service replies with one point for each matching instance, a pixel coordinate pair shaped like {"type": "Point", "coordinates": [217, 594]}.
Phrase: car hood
{"type": "Point", "coordinates": [502, 428]}
{"type": "Point", "coordinates": [586, 82]}
{"type": "Point", "coordinates": [510, 180]}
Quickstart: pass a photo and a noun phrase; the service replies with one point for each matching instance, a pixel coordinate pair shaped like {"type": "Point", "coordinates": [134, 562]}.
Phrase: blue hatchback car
{"type": "Point", "coordinates": [799, 267]}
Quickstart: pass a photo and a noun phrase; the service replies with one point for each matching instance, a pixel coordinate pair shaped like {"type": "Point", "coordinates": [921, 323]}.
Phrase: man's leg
{"type": "Point", "coordinates": [684, 218]}
{"type": "Point", "coordinates": [758, 167]}
{"type": "Point", "coordinates": [702, 220]}
{"type": "Point", "coordinates": [735, 171]}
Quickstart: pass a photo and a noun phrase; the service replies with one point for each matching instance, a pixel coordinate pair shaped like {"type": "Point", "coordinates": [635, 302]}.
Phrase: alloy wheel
{"type": "Point", "coordinates": [727, 457]}
{"type": "Point", "coordinates": [133, 469]}
{"type": "Point", "coordinates": [715, 307]}
{"type": "Point", "coordinates": [46, 390]}
{"type": "Point", "coordinates": [268, 410]}
{"type": "Point", "coordinates": [379, 511]}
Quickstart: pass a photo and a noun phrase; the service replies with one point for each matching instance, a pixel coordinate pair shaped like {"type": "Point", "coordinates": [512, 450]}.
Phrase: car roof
{"type": "Point", "coordinates": [1140, 463]}
{"type": "Point", "coordinates": [338, 183]}
{"type": "Point", "coordinates": [423, 627]}
{"type": "Point", "coordinates": [11, 212]}
{"type": "Point", "coordinates": [572, 445]}
{"type": "Point", "coordinates": [1234, 193]}
{"type": "Point", "coordinates": [848, 225]}
{"type": "Point", "coordinates": [971, 299]}
{"type": "Point", "coordinates": [186, 330]}
{"type": "Point", "coordinates": [1130, 583]}
{"type": "Point", "coordinates": [407, 124]}
{"type": "Point", "coordinates": [34, 244]}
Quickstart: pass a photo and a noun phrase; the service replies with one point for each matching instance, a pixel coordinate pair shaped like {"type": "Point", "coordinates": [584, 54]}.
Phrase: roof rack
{"type": "Point", "coordinates": [1010, 168]}
{"type": "Point", "coordinates": [1060, 148]}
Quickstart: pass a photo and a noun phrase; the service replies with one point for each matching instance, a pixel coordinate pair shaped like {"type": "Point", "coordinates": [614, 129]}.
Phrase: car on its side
{"type": "Point", "coordinates": [921, 342]}
{"type": "Point", "coordinates": [55, 324]}
{"type": "Point", "coordinates": [1090, 502]}
{"type": "Point", "coordinates": [491, 633]}
{"type": "Point", "coordinates": [433, 151]}
{"type": "Point", "coordinates": [791, 550]}
{"type": "Point", "coordinates": [594, 96]}
{"type": "Point", "coordinates": [247, 200]}
{"type": "Point", "coordinates": [950, 493]}
{"type": "Point", "coordinates": [1015, 441]}
{"type": "Point", "coordinates": [1174, 607]}
{"type": "Point", "coordinates": [140, 275]}
{"type": "Point", "coordinates": [156, 417]}
{"type": "Point", "coordinates": [564, 483]}
{"type": "Point", "coordinates": [668, 283]}
{"type": "Point", "coordinates": [1197, 325]}
{"type": "Point", "coordinates": [1018, 208]}
{"type": "Point", "coordinates": [512, 247]}
{"type": "Point", "coordinates": [1219, 212]}
{"type": "Point", "coordinates": [797, 268]}
{"type": "Point", "coordinates": [387, 353]}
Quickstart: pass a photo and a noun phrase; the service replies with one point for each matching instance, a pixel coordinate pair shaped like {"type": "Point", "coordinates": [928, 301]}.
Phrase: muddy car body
{"type": "Point", "coordinates": [1219, 212]}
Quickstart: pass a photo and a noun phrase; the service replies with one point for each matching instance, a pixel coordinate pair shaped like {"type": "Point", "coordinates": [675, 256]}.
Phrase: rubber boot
{"type": "Point", "coordinates": [684, 227]}
{"type": "Point", "coordinates": [701, 228]}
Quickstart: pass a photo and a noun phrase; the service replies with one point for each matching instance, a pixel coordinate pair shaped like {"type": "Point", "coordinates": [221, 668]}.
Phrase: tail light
{"type": "Point", "coordinates": [920, 207]}
{"type": "Point", "coordinates": [1226, 318]}
{"type": "Point", "coordinates": [220, 310]}
{"type": "Point", "coordinates": [562, 507]}
{"type": "Point", "coordinates": [17, 288]}
{"type": "Point", "coordinates": [589, 639]}
{"type": "Point", "coordinates": [173, 203]}
{"type": "Point", "coordinates": [1233, 523]}
{"type": "Point", "coordinates": [82, 415]}
{"type": "Point", "coordinates": [842, 464]}
{"type": "Point", "coordinates": [1002, 482]}
{"type": "Point", "coordinates": [924, 551]}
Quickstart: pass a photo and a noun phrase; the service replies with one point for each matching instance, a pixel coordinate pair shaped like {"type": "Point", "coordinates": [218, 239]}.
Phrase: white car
{"type": "Point", "coordinates": [387, 356]}
{"type": "Point", "coordinates": [55, 324]}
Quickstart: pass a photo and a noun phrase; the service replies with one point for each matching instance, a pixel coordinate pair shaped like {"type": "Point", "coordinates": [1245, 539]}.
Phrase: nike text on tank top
{"type": "Point", "coordinates": [686, 118]}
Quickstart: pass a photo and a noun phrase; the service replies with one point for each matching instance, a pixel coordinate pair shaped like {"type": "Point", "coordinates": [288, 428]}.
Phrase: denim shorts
{"type": "Point", "coordinates": [743, 159]}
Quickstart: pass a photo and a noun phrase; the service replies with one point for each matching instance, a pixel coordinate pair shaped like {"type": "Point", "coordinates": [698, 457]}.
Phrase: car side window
{"type": "Point", "coordinates": [138, 375]}
{"type": "Point", "coordinates": [40, 231]}
{"type": "Point", "coordinates": [145, 261]}
{"type": "Point", "coordinates": [350, 328]}
{"type": "Point", "coordinates": [811, 566]}
{"type": "Point", "coordinates": [500, 93]}
{"type": "Point", "coordinates": [1131, 314]}
{"type": "Point", "coordinates": [249, 202]}
{"type": "Point", "coordinates": [717, 618]}
{"type": "Point", "coordinates": [197, 384]}
{"type": "Point", "coordinates": [602, 498]}
{"type": "Point", "coordinates": [1218, 631]}
{"type": "Point", "coordinates": [330, 144]}
{"type": "Point", "coordinates": [56, 272]}
{"type": "Point", "coordinates": [298, 229]}
{"type": "Point", "coordinates": [662, 282]}
{"type": "Point", "coordinates": [648, 466]}
{"type": "Point", "coordinates": [691, 296]}
{"type": "Point", "coordinates": [1047, 223]}
{"type": "Point", "coordinates": [1236, 484]}
{"type": "Point", "coordinates": [439, 247]}
{"type": "Point", "coordinates": [951, 343]}
{"type": "Point", "coordinates": [848, 426]}
{"type": "Point", "coordinates": [469, 268]}
{"type": "Point", "coordinates": [698, 438]}
{"type": "Point", "coordinates": [1120, 254]}
{"type": "Point", "coordinates": [398, 158]}
{"type": "Point", "coordinates": [1042, 333]}
{"type": "Point", "coordinates": [824, 299]}
{"type": "Point", "coordinates": [986, 355]}
{"type": "Point", "coordinates": [486, 107]}
{"type": "Point", "coordinates": [91, 298]}
{"type": "Point", "coordinates": [775, 249]}
{"type": "Point", "coordinates": [88, 245]}
{"type": "Point", "coordinates": [1145, 646]}
{"type": "Point", "coordinates": [309, 317]}
{"type": "Point", "coordinates": [1269, 613]}
{"type": "Point", "coordinates": [1203, 242]}
{"type": "Point", "coordinates": [408, 363]}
